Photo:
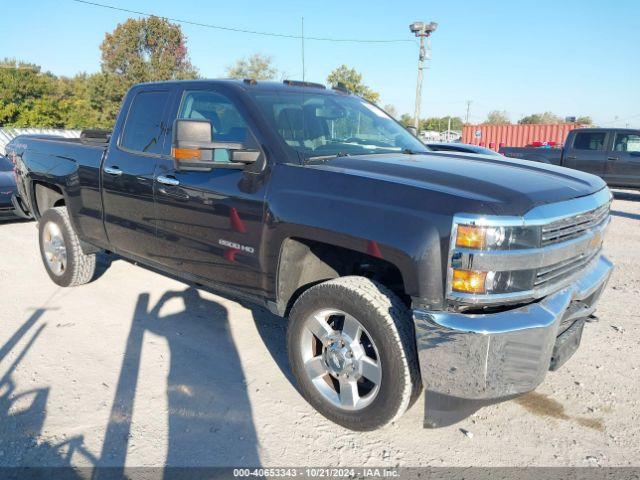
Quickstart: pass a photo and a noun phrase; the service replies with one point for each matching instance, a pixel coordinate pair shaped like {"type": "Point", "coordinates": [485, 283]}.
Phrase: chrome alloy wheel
{"type": "Point", "coordinates": [55, 251]}
{"type": "Point", "coordinates": [341, 359]}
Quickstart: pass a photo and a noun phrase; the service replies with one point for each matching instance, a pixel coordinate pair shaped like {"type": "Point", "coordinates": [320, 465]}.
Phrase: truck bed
{"type": "Point", "coordinates": [73, 166]}
{"type": "Point", "coordinates": [552, 156]}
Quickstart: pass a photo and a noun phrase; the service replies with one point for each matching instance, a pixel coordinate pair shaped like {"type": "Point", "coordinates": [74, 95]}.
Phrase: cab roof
{"type": "Point", "coordinates": [259, 85]}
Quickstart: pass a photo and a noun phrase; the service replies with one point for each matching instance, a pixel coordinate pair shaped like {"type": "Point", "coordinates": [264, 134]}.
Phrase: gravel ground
{"type": "Point", "coordinates": [139, 369]}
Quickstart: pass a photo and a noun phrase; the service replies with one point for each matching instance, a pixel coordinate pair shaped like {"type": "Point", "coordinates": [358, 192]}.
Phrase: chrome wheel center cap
{"type": "Point", "coordinates": [338, 357]}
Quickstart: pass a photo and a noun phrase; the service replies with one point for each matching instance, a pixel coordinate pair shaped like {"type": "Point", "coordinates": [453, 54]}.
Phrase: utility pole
{"type": "Point", "coordinates": [466, 119]}
{"type": "Point", "coordinates": [421, 30]}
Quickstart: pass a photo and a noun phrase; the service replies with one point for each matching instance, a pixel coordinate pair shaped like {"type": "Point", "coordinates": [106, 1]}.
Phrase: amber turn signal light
{"type": "Point", "coordinates": [468, 281]}
{"type": "Point", "coordinates": [470, 236]}
{"type": "Point", "coordinates": [185, 153]}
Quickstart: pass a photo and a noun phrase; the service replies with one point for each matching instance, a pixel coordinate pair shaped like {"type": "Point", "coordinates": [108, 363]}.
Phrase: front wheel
{"type": "Point", "coordinates": [352, 350]}
{"type": "Point", "coordinates": [62, 255]}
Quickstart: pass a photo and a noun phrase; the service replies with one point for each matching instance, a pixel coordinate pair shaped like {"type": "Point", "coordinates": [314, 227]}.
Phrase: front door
{"type": "Point", "coordinates": [587, 152]}
{"type": "Point", "coordinates": [128, 170]}
{"type": "Point", "coordinates": [210, 223]}
{"type": "Point", "coordinates": [623, 161]}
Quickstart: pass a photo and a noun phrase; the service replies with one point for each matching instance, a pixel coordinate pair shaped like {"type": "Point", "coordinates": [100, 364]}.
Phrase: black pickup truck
{"type": "Point", "coordinates": [610, 153]}
{"type": "Point", "coordinates": [396, 267]}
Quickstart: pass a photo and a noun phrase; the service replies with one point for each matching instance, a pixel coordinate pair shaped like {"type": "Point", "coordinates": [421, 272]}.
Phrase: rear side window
{"type": "Point", "coordinates": [626, 142]}
{"type": "Point", "coordinates": [143, 127]}
{"type": "Point", "coordinates": [589, 141]}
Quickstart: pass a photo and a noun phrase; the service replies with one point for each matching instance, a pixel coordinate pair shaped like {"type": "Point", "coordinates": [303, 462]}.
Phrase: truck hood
{"type": "Point", "coordinates": [509, 187]}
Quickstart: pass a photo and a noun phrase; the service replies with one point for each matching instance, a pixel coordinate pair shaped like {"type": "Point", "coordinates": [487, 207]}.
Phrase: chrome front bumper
{"type": "Point", "coordinates": [468, 361]}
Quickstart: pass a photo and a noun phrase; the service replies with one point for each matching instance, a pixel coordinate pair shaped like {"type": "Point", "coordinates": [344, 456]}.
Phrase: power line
{"type": "Point", "coordinates": [620, 120]}
{"type": "Point", "coordinates": [242, 30]}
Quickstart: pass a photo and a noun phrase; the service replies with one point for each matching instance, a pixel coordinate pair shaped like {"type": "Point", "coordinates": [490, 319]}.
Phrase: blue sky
{"type": "Point", "coordinates": [572, 57]}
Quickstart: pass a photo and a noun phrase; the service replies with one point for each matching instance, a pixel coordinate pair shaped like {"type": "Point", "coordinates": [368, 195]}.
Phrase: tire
{"type": "Point", "coordinates": [57, 237]}
{"type": "Point", "coordinates": [388, 342]}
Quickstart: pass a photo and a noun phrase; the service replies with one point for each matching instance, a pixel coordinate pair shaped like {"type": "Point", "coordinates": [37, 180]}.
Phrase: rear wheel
{"type": "Point", "coordinates": [62, 255]}
{"type": "Point", "coordinates": [352, 350]}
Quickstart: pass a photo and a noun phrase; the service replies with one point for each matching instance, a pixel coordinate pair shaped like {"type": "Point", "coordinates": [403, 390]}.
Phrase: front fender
{"type": "Point", "coordinates": [364, 219]}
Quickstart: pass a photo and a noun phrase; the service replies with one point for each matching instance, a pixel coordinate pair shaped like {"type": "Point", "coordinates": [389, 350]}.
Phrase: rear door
{"type": "Point", "coordinates": [587, 152]}
{"type": "Point", "coordinates": [623, 161]}
{"type": "Point", "coordinates": [128, 170]}
{"type": "Point", "coordinates": [210, 223]}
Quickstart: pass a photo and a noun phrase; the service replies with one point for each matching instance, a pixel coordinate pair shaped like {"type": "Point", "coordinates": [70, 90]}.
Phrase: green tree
{"type": "Point", "coordinates": [406, 120]}
{"type": "Point", "coordinates": [536, 118]}
{"type": "Point", "coordinates": [23, 88]}
{"type": "Point", "coordinates": [138, 50]}
{"type": "Point", "coordinates": [584, 120]}
{"type": "Point", "coordinates": [391, 110]}
{"type": "Point", "coordinates": [440, 124]}
{"type": "Point", "coordinates": [350, 79]}
{"type": "Point", "coordinates": [257, 67]}
{"type": "Point", "coordinates": [497, 117]}
{"type": "Point", "coordinates": [40, 112]}
{"type": "Point", "coordinates": [145, 50]}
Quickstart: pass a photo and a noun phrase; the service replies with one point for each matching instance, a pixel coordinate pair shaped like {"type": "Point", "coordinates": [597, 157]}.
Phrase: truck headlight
{"type": "Point", "coordinates": [480, 237]}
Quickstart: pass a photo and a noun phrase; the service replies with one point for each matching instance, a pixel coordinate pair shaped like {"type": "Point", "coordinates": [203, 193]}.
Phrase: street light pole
{"type": "Point", "coordinates": [416, 114]}
{"type": "Point", "coordinates": [421, 30]}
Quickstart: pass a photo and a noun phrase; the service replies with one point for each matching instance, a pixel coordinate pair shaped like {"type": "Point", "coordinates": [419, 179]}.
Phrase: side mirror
{"type": "Point", "coordinates": [193, 148]}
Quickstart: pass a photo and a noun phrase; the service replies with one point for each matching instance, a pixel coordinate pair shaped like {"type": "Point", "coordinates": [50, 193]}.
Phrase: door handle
{"type": "Point", "coordinates": [168, 181]}
{"type": "Point", "coordinates": [612, 158]}
{"type": "Point", "coordinates": [570, 157]}
{"type": "Point", "coordinates": [113, 171]}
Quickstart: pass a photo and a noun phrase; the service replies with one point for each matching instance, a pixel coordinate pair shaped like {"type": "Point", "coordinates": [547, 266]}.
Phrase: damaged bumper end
{"type": "Point", "coordinates": [468, 361]}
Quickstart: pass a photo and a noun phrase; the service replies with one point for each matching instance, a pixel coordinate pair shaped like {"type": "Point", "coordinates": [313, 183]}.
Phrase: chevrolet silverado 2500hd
{"type": "Point", "coordinates": [397, 268]}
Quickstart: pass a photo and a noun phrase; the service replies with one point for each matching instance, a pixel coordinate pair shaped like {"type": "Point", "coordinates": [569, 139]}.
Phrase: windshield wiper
{"type": "Point", "coordinates": [324, 157]}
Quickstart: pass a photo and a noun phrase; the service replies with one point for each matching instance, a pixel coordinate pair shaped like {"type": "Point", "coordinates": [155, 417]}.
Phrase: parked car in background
{"type": "Point", "coordinates": [7, 188]}
{"type": "Point", "coordinates": [610, 153]}
{"type": "Point", "coordinates": [462, 148]}
{"type": "Point", "coordinates": [397, 267]}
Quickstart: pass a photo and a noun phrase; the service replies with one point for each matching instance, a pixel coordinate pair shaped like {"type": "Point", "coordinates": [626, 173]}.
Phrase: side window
{"type": "Point", "coordinates": [589, 141]}
{"type": "Point", "coordinates": [143, 127]}
{"type": "Point", "coordinates": [227, 125]}
{"type": "Point", "coordinates": [626, 142]}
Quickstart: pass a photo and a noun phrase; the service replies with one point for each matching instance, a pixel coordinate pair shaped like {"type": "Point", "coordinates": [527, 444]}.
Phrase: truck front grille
{"type": "Point", "coordinates": [574, 227]}
{"type": "Point", "coordinates": [562, 270]}
{"type": "Point", "coordinates": [569, 245]}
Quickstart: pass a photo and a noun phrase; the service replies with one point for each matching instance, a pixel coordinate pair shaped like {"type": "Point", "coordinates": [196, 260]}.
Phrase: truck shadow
{"type": "Point", "coordinates": [626, 195]}
{"type": "Point", "coordinates": [23, 412]}
{"type": "Point", "coordinates": [273, 332]}
{"type": "Point", "coordinates": [6, 221]}
{"type": "Point", "coordinates": [632, 216]}
{"type": "Point", "coordinates": [209, 415]}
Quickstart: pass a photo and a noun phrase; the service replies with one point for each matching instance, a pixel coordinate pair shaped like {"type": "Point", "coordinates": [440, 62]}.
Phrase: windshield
{"type": "Point", "coordinates": [5, 164]}
{"type": "Point", "coordinates": [318, 125]}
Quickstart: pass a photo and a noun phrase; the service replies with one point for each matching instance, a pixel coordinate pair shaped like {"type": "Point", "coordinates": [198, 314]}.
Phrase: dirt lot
{"type": "Point", "coordinates": [140, 369]}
